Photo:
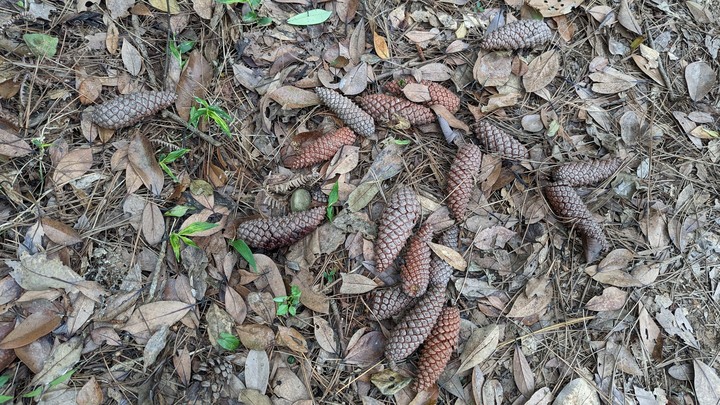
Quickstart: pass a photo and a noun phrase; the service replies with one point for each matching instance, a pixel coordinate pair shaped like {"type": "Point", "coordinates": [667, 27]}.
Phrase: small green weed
{"type": "Point", "coordinates": [288, 304]}
{"type": "Point", "coordinates": [163, 161]}
{"type": "Point", "coordinates": [332, 199]}
{"type": "Point", "coordinates": [210, 112]}
{"type": "Point", "coordinates": [241, 247]}
{"type": "Point", "coordinates": [251, 16]}
{"type": "Point", "coordinates": [183, 235]}
{"type": "Point", "coordinates": [228, 341]}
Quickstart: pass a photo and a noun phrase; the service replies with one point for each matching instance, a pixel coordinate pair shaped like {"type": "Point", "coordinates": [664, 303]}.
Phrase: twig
{"type": "Point", "coordinates": [207, 138]}
{"type": "Point", "coordinates": [661, 66]}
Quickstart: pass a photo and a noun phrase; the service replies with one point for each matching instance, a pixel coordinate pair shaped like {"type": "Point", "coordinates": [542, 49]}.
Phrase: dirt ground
{"type": "Point", "coordinates": [123, 278]}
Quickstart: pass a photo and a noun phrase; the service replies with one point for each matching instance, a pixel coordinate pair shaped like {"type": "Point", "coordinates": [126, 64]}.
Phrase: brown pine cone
{"type": "Point", "coordinates": [464, 168]}
{"type": "Point", "coordinates": [415, 326]}
{"type": "Point", "coordinates": [438, 348]}
{"type": "Point", "coordinates": [123, 111]}
{"type": "Point", "coordinates": [586, 173]}
{"type": "Point", "coordinates": [440, 270]}
{"type": "Point", "coordinates": [439, 94]}
{"type": "Point", "coordinates": [415, 273]}
{"type": "Point", "coordinates": [281, 231]}
{"type": "Point", "coordinates": [384, 108]}
{"type": "Point", "coordinates": [570, 208]}
{"type": "Point", "coordinates": [389, 302]}
{"type": "Point", "coordinates": [498, 141]}
{"type": "Point", "coordinates": [321, 149]}
{"type": "Point", "coordinates": [396, 224]}
{"type": "Point", "coordinates": [518, 35]}
{"type": "Point", "coordinates": [349, 112]}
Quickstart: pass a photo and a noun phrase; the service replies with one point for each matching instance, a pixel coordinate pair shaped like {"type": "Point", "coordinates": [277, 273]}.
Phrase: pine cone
{"type": "Point", "coordinates": [586, 173]}
{"type": "Point", "coordinates": [384, 108]}
{"type": "Point", "coordinates": [396, 224]}
{"type": "Point", "coordinates": [440, 270]}
{"type": "Point", "coordinates": [123, 111]}
{"type": "Point", "coordinates": [439, 94]}
{"type": "Point", "coordinates": [389, 302]}
{"type": "Point", "coordinates": [438, 348]}
{"type": "Point", "coordinates": [349, 112]}
{"type": "Point", "coordinates": [518, 35]}
{"type": "Point", "coordinates": [465, 167]}
{"type": "Point", "coordinates": [570, 208]}
{"type": "Point", "coordinates": [415, 326]}
{"type": "Point", "coordinates": [281, 231]}
{"type": "Point", "coordinates": [415, 273]}
{"type": "Point", "coordinates": [321, 149]}
{"type": "Point", "coordinates": [498, 141]}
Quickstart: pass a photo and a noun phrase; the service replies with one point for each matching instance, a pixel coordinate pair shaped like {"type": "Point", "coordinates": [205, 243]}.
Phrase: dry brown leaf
{"type": "Point", "coordinates": [132, 60]}
{"type": "Point", "coordinates": [257, 370]}
{"type": "Point", "coordinates": [162, 5]}
{"type": "Point", "coordinates": [612, 298]}
{"type": "Point", "coordinates": [416, 92]}
{"type": "Point", "coordinates": [9, 290]}
{"type": "Point", "coordinates": [194, 80]}
{"type": "Point", "coordinates": [262, 304]}
{"type": "Point", "coordinates": [474, 287]}
{"type": "Point", "coordinates": [356, 47]}
{"type": "Point", "coordinates": [543, 396]}
{"type": "Point", "coordinates": [82, 309]}
{"type": "Point", "coordinates": [37, 273]}
{"type": "Point", "coordinates": [64, 356]}
{"type": "Point", "coordinates": [292, 339]}
{"type": "Point", "coordinates": [288, 386]}
{"type": "Point", "coordinates": [700, 78]}
{"type": "Point", "coordinates": [269, 275]}
{"type": "Point", "coordinates": [142, 159]}
{"type": "Point", "coordinates": [290, 97]}
{"type": "Point", "coordinates": [627, 19]}
{"type": "Point", "coordinates": [253, 397]}
{"type": "Point", "coordinates": [522, 372]}
{"type": "Point", "coordinates": [73, 165]}
{"type": "Point", "coordinates": [494, 237]}
{"type": "Point", "coordinates": [501, 101]}
{"type": "Point", "coordinates": [492, 69]}
{"type": "Point", "coordinates": [367, 350]}
{"type": "Point", "coordinates": [218, 321]}
{"type": "Point", "coordinates": [203, 8]}
{"type": "Point", "coordinates": [119, 8]}
{"type": "Point", "coordinates": [381, 47]}
{"type": "Point", "coordinates": [552, 8]}
{"type": "Point", "coordinates": [541, 71]}
{"type": "Point", "coordinates": [611, 81]}
{"type": "Point", "coordinates": [155, 346]}
{"type": "Point", "coordinates": [325, 335]}
{"type": "Point", "coordinates": [60, 233]}
{"type": "Point", "coordinates": [647, 68]}
{"type": "Point", "coordinates": [477, 381]}
{"type": "Point", "coordinates": [678, 325]}
{"type": "Point", "coordinates": [235, 305]}
{"type": "Point", "coordinates": [11, 145]}
{"type": "Point", "coordinates": [310, 297]}
{"type": "Point", "coordinates": [182, 364]}
{"type": "Point", "coordinates": [435, 72]}
{"type": "Point", "coordinates": [481, 344]}
{"type": "Point", "coordinates": [706, 384]}
{"type": "Point", "coordinates": [449, 255]}
{"type": "Point", "coordinates": [648, 331]}
{"type": "Point", "coordinates": [256, 336]}
{"type": "Point", "coordinates": [449, 117]}
{"type": "Point", "coordinates": [356, 284]}
{"type": "Point", "coordinates": [153, 224]}
{"type": "Point", "coordinates": [346, 10]}
{"type": "Point", "coordinates": [90, 393]}
{"type": "Point", "coordinates": [345, 160]}
{"type": "Point", "coordinates": [149, 317]}
{"type": "Point", "coordinates": [32, 328]}
{"type": "Point", "coordinates": [654, 226]}
{"type": "Point", "coordinates": [417, 36]}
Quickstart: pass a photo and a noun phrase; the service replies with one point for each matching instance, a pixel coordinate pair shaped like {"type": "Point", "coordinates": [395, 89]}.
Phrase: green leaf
{"type": "Point", "coordinates": [175, 244]}
{"type": "Point", "coordinates": [186, 46]}
{"type": "Point", "coordinates": [228, 341]}
{"type": "Point", "coordinates": [264, 21]}
{"type": "Point", "coordinates": [232, 1]}
{"type": "Point", "coordinates": [402, 142]}
{"type": "Point", "coordinates": [311, 17]}
{"type": "Point", "coordinates": [188, 241]}
{"type": "Point", "coordinates": [245, 252]}
{"type": "Point", "coordinates": [174, 155]}
{"type": "Point", "coordinates": [250, 17]}
{"type": "Point", "coordinates": [280, 300]}
{"type": "Point", "coordinates": [5, 398]}
{"type": "Point", "coordinates": [32, 394]}
{"type": "Point", "coordinates": [295, 292]}
{"type": "Point", "coordinates": [178, 211]}
{"type": "Point", "coordinates": [4, 379]}
{"type": "Point", "coordinates": [196, 227]}
{"type": "Point", "coordinates": [334, 194]}
{"type": "Point", "coordinates": [41, 44]}
{"type": "Point", "coordinates": [283, 309]}
{"type": "Point", "coordinates": [61, 379]}
{"type": "Point", "coordinates": [293, 311]}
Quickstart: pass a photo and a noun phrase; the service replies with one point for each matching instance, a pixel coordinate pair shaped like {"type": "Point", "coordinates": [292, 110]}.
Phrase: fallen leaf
{"type": "Point", "coordinates": [162, 5]}
{"type": "Point", "coordinates": [73, 165]}
{"type": "Point", "coordinates": [552, 8]}
{"type": "Point", "coordinates": [356, 284]}
{"type": "Point", "coordinates": [367, 350]}
{"type": "Point", "coordinates": [132, 60]}
{"type": "Point", "coordinates": [416, 92]}
{"type": "Point", "coordinates": [381, 47]}
{"type": "Point", "coordinates": [700, 78]}
{"type": "Point", "coordinates": [38, 273]}
{"type": "Point", "coordinates": [647, 330]}
{"type": "Point", "coordinates": [11, 145]}
{"type": "Point", "coordinates": [257, 370]}
{"type": "Point", "coordinates": [290, 97]}
{"type": "Point", "coordinates": [706, 384]}
{"type": "Point", "coordinates": [182, 365]}
{"type": "Point", "coordinates": [678, 325]}
{"type": "Point", "coordinates": [154, 346]}
{"type": "Point", "coordinates": [541, 71]}
{"type": "Point", "coordinates": [627, 19]}
{"type": "Point", "coordinates": [203, 8]}
{"type": "Point", "coordinates": [149, 317]}
{"type": "Point", "coordinates": [64, 357]}
{"type": "Point", "coordinates": [194, 80]}
{"type": "Point", "coordinates": [612, 298]}
{"type": "Point", "coordinates": [253, 397]}
{"type": "Point", "coordinates": [611, 81]}
{"type": "Point", "coordinates": [492, 69]}
{"type": "Point", "coordinates": [481, 344]}
{"type": "Point", "coordinates": [522, 372]}
{"type": "Point", "coordinates": [32, 328]}
{"type": "Point", "coordinates": [153, 224]}
{"type": "Point", "coordinates": [325, 335]}
{"type": "Point", "coordinates": [435, 72]}
{"type": "Point", "coordinates": [142, 159]}
{"type": "Point", "coordinates": [288, 386]}
{"type": "Point", "coordinates": [60, 233]}
{"type": "Point", "coordinates": [292, 339]}
{"type": "Point", "coordinates": [90, 393]}
{"type": "Point", "coordinates": [235, 305]}
{"type": "Point", "coordinates": [449, 255]}
{"type": "Point", "coordinates": [255, 336]}
{"type": "Point", "coordinates": [494, 237]}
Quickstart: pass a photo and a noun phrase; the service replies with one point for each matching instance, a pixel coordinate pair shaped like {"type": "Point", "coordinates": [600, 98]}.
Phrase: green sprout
{"type": "Point", "coordinates": [288, 304]}
{"type": "Point", "coordinates": [329, 275]}
{"type": "Point", "coordinates": [241, 247]}
{"type": "Point", "coordinates": [183, 235]}
{"type": "Point", "coordinates": [163, 161]}
{"type": "Point", "coordinates": [332, 199]}
{"type": "Point", "coordinates": [210, 112]}
{"type": "Point", "coordinates": [251, 16]}
{"type": "Point", "coordinates": [228, 341]}
{"type": "Point", "coordinates": [177, 50]}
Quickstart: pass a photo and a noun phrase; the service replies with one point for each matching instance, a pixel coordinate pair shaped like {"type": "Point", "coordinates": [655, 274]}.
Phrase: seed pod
{"type": "Point", "coordinates": [586, 173]}
{"type": "Point", "coordinates": [518, 35]}
{"type": "Point", "coordinates": [353, 116]}
{"type": "Point", "coordinates": [438, 348]}
{"type": "Point", "coordinates": [281, 231]}
{"type": "Point", "coordinates": [567, 205]}
{"type": "Point", "coordinates": [396, 224]}
{"type": "Point", "coordinates": [123, 111]}
{"type": "Point", "coordinates": [498, 141]}
{"type": "Point", "coordinates": [415, 273]}
{"type": "Point", "coordinates": [439, 94]}
{"type": "Point", "coordinates": [321, 149]}
{"type": "Point", "coordinates": [389, 302]}
{"type": "Point", "coordinates": [440, 270]}
{"type": "Point", "coordinates": [384, 108]}
{"type": "Point", "coordinates": [464, 168]}
{"type": "Point", "coordinates": [415, 326]}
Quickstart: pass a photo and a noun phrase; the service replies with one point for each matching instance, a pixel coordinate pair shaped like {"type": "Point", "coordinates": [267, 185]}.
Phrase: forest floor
{"type": "Point", "coordinates": [121, 279]}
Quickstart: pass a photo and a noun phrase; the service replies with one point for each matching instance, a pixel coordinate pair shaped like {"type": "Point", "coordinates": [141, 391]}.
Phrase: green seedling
{"type": "Point", "coordinates": [183, 235]}
{"type": "Point", "coordinates": [210, 112]}
{"type": "Point", "coordinates": [178, 211]}
{"type": "Point", "coordinates": [228, 341]}
{"type": "Point", "coordinates": [163, 161]}
{"type": "Point", "coordinates": [241, 247]}
{"type": "Point", "coordinates": [177, 50]}
{"type": "Point", "coordinates": [289, 303]}
{"type": "Point", "coordinates": [251, 16]}
{"type": "Point", "coordinates": [329, 275]}
{"type": "Point", "coordinates": [3, 380]}
{"type": "Point", "coordinates": [332, 199]}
